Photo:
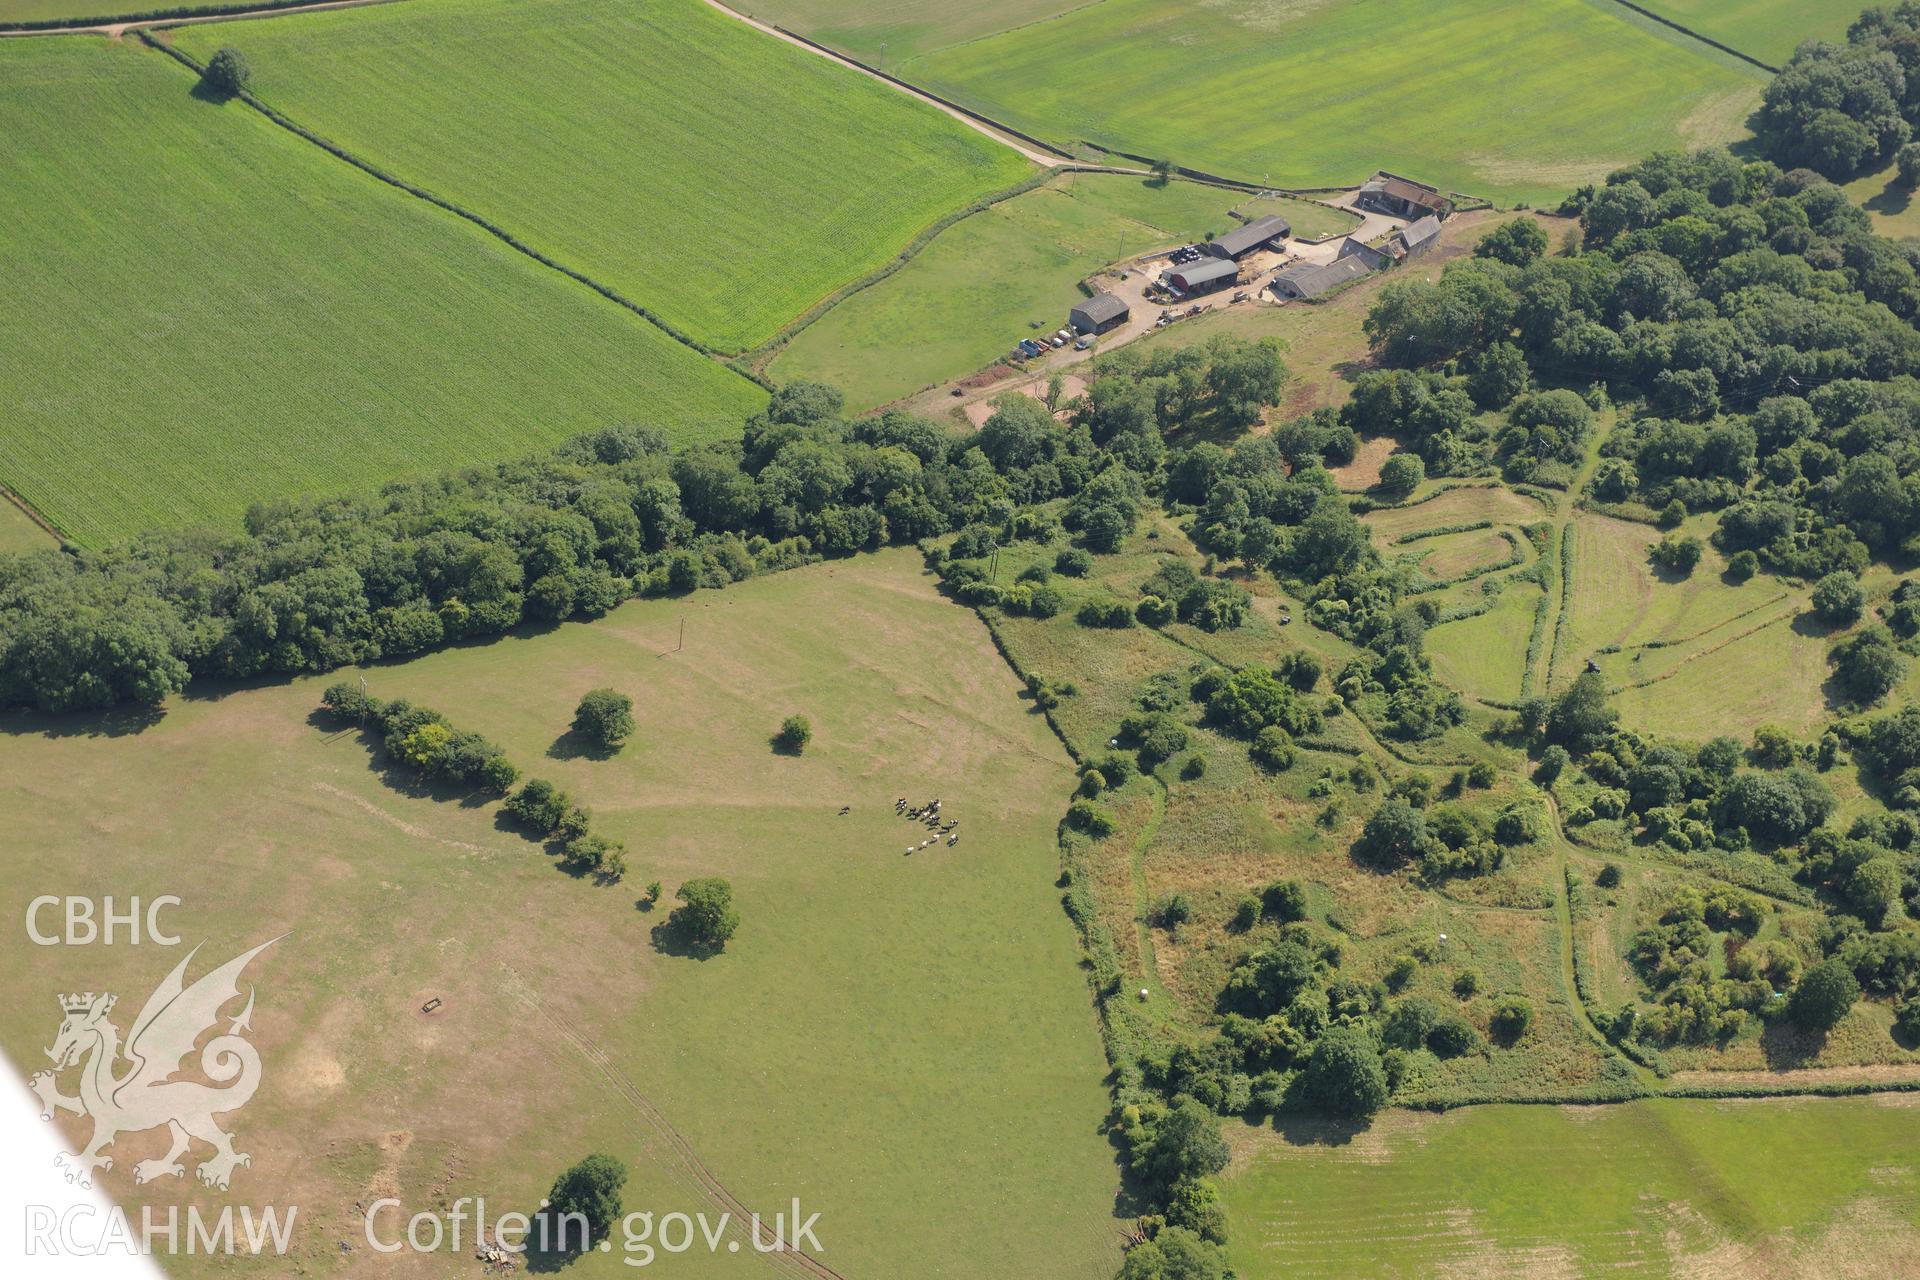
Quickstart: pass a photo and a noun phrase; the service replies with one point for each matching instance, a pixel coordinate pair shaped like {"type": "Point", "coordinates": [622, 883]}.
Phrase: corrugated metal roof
{"type": "Point", "coordinates": [1101, 307]}
{"type": "Point", "coordinates": [1314, 279]}
{"type": "Point", "coordinates": [1202, 272]}
{"type": "Point", "coordinates": [1242, 240]}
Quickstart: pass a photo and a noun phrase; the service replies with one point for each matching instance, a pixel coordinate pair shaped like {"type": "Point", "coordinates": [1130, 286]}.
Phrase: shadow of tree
{"type": "Point", "coordinates": [1787, 1048]}
{"type": "Point", "coordinates": [670, 939]}
{"type": "Point", "coordinates": [1318, 1130]}
{"type": "Point", "coordinates": [574, 745]}
{"type": "Point", "coordinates": [117, 722]}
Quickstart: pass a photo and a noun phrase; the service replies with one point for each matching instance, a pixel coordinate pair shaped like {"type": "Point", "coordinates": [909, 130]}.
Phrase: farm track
{"type": "Point", "coordinates": [978, 123]}
{"type": "Point", "coordinates": [741, 1220]}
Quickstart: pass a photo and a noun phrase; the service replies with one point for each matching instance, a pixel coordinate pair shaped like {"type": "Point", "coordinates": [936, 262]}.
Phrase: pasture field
{"type": "Point", "coordinates": [18, 532]}
{"type": "Point", "coordinates": [1619, 598]}
{"type": "Point", "coordinates": [905, 1043]}
{"type": "Point", "coordinates": [1888, 202]}
{"type": "Point", "coordinates": [1769, 30]}
{"type": "Point", "coordinates": [1451, 502]}
{"type": "Point", "coordinates": [1478, 92]}
{"type": "Point", "coordinates": [1775, 673]}
{"type": "Point", "coordinates": [1453, 554]}
{"type": "Point", "coordinates": [209, 312]}
{"type": "Point", "coordinates": [980, 285]}
{"type": "Point", "coordinates": [724, 179]}
{"type": "Point", "coordinates": [1777, 1188]}
{"type": "Point", "coordinates": [1485, 656]}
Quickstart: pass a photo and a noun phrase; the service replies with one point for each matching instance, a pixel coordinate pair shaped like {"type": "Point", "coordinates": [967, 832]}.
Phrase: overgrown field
{"type": "Point", "coordinates": [985, 282]}
{"type": "Point", "coordinates": [725, 179]}
{"type": "Point", "coordinates": [1212, 839]}
{"type": "Point", "coordinates": [207, 312]}
{"type": "Point", "coordinates": [904, 1043]}
{"type": "Point", "coordinates": [1660, 1187]}
{"type": "Point", "coordinates": [1511, 99]}
{"type": "Point", "coordinates": [1769, 30]}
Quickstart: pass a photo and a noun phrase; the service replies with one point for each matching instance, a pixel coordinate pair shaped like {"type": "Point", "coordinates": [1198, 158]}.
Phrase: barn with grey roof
{"type": "Point", "coordinates": [1101, 312]}
{"type": "Point", "coordinates": [1312, 280]}
{"type": "Point", "coordinates": [1204, 277]}
{"type": "Point", "coordinates": [1261, 233]}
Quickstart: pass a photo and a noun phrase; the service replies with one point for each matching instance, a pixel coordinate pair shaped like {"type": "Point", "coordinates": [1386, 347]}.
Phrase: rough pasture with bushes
{"type": "Point", "coordinates": [725, 180]}
{"type": "Point", "coordinates": [262, 322]}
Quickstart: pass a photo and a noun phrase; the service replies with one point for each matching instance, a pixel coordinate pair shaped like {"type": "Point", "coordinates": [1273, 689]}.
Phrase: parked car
{"type": "Point", "coordinates": [1085, 341]}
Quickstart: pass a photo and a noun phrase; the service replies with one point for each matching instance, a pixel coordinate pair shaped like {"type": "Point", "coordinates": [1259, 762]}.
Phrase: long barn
{"type": "Point", "coordinates": [1261, 233]}
{"type": "Point", "coordinates": [1204, 277]}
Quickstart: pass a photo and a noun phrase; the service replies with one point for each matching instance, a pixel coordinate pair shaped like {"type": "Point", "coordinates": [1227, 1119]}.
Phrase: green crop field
{"type": "Point", "coordinates": [1512, 99]}
{"type": "Point", "coordinates": [208, 312]}
{"type": "Point", "coordinates": [976, 289]}
{"type": "Point", "coordinates": [1655, 1188]}
{"type": "Point", "coordinates": [886, 32]}
{"type": "Point", "coordinates": [727, 180]}
{"type": "Point", "coordinates": [1769, 30]}
{"type": "Point", "coordinates": [904, 1043]}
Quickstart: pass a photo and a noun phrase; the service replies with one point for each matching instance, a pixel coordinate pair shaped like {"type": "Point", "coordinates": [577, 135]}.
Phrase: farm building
{"type": "Point", "coordinates": [1101, 312]}
{"type": "Point", "coordinates": [1311, 280]}
{"type": "Point", "coordinates": [1412, 241]}
{"type": "Point", "coordinates": [1374, 258]}
{"type": "Point", "coordinates": [1261, 233]}
{"type": "Point", "coordinates": [1204, 277]}
{"type": "Point", "coordinates": [1402, 198]}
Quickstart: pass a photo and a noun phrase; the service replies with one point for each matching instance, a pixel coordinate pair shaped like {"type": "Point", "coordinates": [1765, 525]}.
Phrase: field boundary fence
{"type": "Point", "coordinates": [441, 202]}
{"type": "Point", "coordinates": [1689, 32]}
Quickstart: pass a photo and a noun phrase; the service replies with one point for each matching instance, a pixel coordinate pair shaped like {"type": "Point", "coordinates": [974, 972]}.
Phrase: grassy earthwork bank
{"type": "Point", "coordinates": [990, 279]}
{"type": "Point", "coordinates": [1659, 1187]}
{"type": "Point", "coordinates": [1477, 93]}
{"type": "Point", "coordinates": [903, 1042]}
{"type": "Point", "coordinates": [724, 179]}
{"type": "Point", "coordinates": [209, 312]}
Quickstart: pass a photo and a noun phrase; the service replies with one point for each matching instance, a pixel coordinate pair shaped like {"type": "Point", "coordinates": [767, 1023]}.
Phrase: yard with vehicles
{"type": "Point", "coordinates": [261, 321]}
{"type": "Point", "coordinates": [727, 182]}
{"type": "Point", "coordinates": [984, 282]}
